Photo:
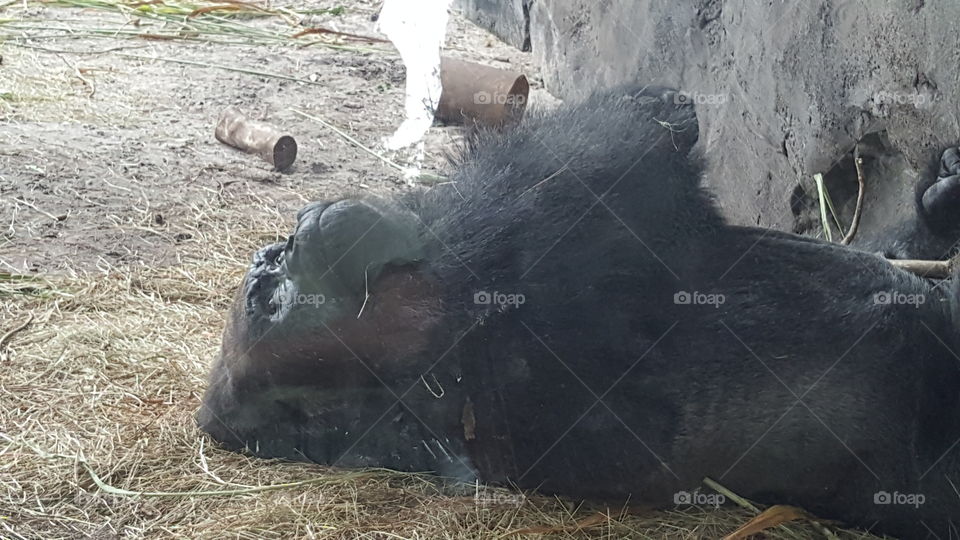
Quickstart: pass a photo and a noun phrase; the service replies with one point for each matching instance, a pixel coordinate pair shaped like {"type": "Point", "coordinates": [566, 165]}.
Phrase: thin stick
{"type": "Point", "coordinates": [109, 35]}
{"type": "Point", "coordinates": [220, 66]}
{"type": "Point", "coordinates": [747, 505]}
{"type": "Point", "coordinates": [931, 269]}
{"type": "Point", "coordinates": [321, 30]}
{"type": "Point", "coordinates": [818, 178]}
{"type": "Point", "coordinates": [348, 138]}
{"type": "Point", "coordinates": [65, 51]}
{"type": "Point", "coordinates": [84, 80]}
{"type": "Point", "coordinates": [360, 145]}
{"type": "Point", "coordinates": [858, 163]}
{"type": "Point", "coordinates": [6, 337]}
{"type": "Point", "coordinates": [833, 211]}
{"type": "Point", "coordinates": [538, 184]}
{"type": "Point", "coordinates": [740, 501]}
{"type": "Point", "coordinates": [366, 290]}
{"type": "Point", "coordinates": [48, 214]}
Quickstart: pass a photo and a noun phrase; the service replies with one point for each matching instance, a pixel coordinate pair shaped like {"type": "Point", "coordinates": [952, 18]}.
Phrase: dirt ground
{"type": "Point", "coordinates": [124, 228]}
{"type": "Point", "coordinates": [105, 157]}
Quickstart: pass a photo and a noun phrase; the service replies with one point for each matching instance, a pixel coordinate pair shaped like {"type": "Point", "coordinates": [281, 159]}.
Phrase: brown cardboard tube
{"type": "Point", "coordinates": [478, 94]}
{"type": "Point", "coordinates": [239, 131]}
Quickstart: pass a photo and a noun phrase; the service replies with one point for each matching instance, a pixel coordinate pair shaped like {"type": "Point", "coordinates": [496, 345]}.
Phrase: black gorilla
{"type": "Point", "coordinates": [934, 233]}
{"type": "Point", "coordinates": [570, 313]}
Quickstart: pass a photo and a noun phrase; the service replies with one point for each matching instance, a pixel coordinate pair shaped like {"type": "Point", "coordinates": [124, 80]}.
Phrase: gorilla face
{"type": "Point", "coordinates": [325, 332]}
{"type": "Point", "coordinates": [318, 282]}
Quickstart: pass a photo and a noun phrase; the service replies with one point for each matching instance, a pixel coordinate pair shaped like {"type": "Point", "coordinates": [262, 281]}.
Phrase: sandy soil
{"type": "Point", "coordinates": [104, 157]}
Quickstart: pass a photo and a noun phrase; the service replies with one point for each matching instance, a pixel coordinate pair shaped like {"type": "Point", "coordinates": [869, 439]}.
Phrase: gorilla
{"type": "Point", "coordinates": [934, 233]}
{"type": "Point", "coordinates": [570, 313]}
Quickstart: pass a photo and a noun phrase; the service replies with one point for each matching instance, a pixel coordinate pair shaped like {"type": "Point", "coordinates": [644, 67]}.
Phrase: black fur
{"type": "Point", "coordinates": [799, 372]}
{"type": "Point", "coordinates": [933, 233]}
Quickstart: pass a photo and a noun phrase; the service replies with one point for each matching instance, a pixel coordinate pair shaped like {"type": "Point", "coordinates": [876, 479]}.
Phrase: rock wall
{"type": "Point", "coordinates": [507, 19]}
{"type": "Point", "coordinates": [783, 90]}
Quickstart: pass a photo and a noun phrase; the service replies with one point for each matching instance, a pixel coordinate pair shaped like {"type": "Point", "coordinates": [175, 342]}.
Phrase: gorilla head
{"type": "Point", "coordinates": [309, 365]}
{"type": "Point", "coordinates": [335, 347]}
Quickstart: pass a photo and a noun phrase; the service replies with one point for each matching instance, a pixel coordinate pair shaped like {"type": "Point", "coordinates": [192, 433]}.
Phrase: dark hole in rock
{"type": "Point", "coordinates": [888, 197]}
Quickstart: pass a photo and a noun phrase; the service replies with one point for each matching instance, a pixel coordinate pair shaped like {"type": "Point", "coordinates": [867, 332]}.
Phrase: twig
{"type": "Point", "coordinates": [538, 184]}
{"type": "Point", "coordinates": [818, 178]}
{"type": "Point", "coordinates": [321, 30]}
{"type": "Point", "coordinates": [65, 51]}
{"type": "Point", "coordinates": [833, 211]}
{"type": "Point", "coordinates": [740, 501]}
{"type": "Point", "coordinates": [858, 163]}
{"type": "Point", "coordinates": [349, 138]}
{"type": "Point", "coordinates": [366, 290]}
{"type": "Point", "coordinates": [360, 145]}
{"type": "Point", "coordinates": [48, 214]}
{"type": "Point", "coordinates": [930, 269]}
{"type": "Point", "coordinates": [84, 80]}
{"type": "Point", "coordinates": [6, 337]}
{"type": "Point", "coordinates": [220, 66]}
{"type": "Point", "coordinates": [206, 469]}
{"type": "Point", "coordinates": [747, 505]}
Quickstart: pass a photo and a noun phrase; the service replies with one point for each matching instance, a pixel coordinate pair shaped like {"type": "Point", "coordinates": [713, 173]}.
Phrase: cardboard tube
{"type": "Point", "coordinates": [484, 95]}
{"type": "Point", "coordinates": [268, 142]}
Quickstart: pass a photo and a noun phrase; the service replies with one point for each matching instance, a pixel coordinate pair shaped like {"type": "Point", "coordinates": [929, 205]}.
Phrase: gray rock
{"type": "Point", "coordinates": [507, 19]}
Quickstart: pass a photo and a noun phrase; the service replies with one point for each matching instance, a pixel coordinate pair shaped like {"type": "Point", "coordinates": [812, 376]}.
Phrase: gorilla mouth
{"type": "Point", "coordinates": [269, 288]}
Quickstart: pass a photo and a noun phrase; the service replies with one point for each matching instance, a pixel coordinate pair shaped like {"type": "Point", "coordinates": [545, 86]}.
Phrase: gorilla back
{"type": "Point", "coordinates": [570, 313]}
